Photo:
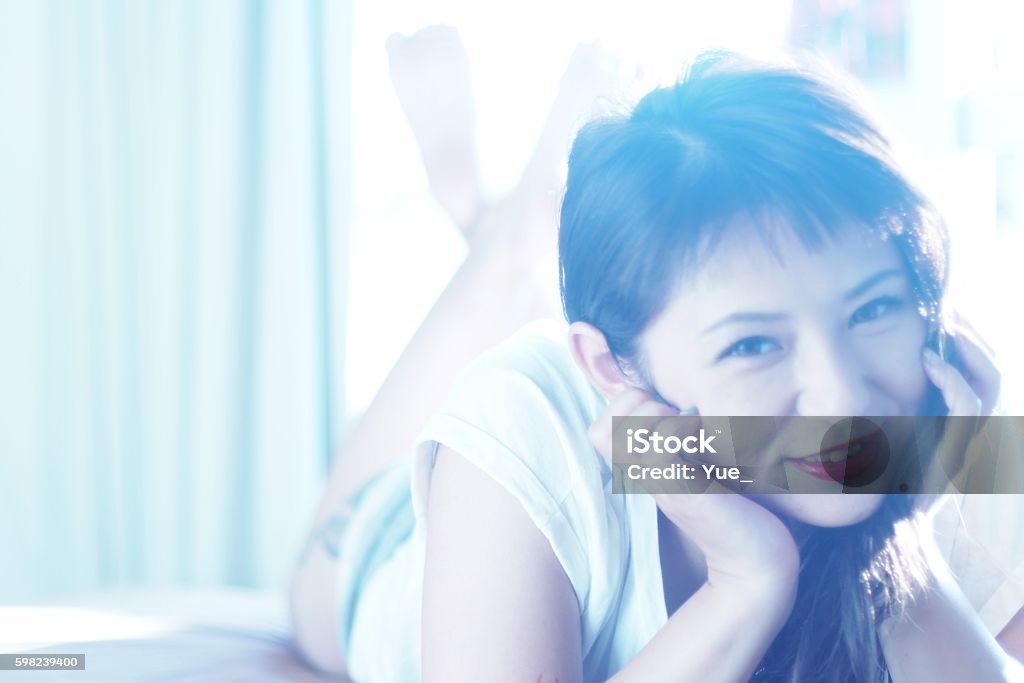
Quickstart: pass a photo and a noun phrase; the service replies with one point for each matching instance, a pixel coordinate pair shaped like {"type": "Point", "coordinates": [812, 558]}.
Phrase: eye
{"type": "Point", "coordinates": [875, 309]}
{"type": "Point", "coordinates": [750, 346]}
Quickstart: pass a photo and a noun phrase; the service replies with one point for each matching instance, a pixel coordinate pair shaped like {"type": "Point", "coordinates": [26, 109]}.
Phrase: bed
{"type": "Point", "coordinates": [172, 634]}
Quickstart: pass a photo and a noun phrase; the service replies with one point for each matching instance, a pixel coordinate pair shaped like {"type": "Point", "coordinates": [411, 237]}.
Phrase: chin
{"type": "Point", "coordinates": [824, 509]}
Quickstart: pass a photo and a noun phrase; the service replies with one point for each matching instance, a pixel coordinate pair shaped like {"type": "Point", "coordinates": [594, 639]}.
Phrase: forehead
{"type": "Point", "coordinates": [776, 269]}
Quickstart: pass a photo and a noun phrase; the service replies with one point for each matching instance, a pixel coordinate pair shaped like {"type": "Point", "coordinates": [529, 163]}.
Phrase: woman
{"type": "Point", "coordinates": [740, 244]}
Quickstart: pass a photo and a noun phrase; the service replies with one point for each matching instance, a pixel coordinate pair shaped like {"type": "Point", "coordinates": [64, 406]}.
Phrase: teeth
{"type": "Point", "coordinates": [840, 454]}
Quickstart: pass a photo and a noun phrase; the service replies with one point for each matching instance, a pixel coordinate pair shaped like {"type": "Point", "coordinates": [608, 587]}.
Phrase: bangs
{"type": "Point", "coordinates": [651, 194]}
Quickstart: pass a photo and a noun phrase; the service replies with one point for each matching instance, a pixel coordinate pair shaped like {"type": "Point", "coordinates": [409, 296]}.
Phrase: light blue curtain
{"type": "Point", "coordinates": [173, 202]}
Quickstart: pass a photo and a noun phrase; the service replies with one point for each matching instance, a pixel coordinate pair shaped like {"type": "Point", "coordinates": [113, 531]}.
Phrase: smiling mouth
{"type": "Point", "coordinates": [855, 463]}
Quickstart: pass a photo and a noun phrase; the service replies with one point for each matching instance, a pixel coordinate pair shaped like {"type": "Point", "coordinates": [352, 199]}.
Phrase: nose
{"type": "Point", "coordinates": [831, 380]}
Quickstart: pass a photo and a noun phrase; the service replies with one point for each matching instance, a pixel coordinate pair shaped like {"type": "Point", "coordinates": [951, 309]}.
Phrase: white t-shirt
{"type": "Point", "coordinates": [520, 413]}
{"type": "Point", "coordinates": [982, 538]}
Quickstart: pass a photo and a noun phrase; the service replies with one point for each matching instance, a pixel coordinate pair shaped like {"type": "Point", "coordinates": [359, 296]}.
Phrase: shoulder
{"type": "Point", "coordinates": [537, 354]}
{"type": "Point", "coordinates": [523, 384]}
{"type": "Point", "coordinates": [520, 415]}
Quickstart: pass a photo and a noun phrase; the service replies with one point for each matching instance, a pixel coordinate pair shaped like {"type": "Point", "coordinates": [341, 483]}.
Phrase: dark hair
{"type": "Point", "coordinates": [651, 193]}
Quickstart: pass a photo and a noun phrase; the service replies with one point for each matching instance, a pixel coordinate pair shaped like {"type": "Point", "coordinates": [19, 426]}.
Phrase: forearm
{"type": "Point", "coordinates": [941, 638]}
{"type": "Point", "coordinates": [717, 636]}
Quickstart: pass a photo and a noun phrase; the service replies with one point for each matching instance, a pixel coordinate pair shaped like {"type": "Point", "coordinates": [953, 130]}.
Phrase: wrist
{"type": "Point", "coordinates": [773, 569]}
{"type": "Point", "coordinates": [771, 598]}
{"type": "Point", "coordinates": [769, 586]}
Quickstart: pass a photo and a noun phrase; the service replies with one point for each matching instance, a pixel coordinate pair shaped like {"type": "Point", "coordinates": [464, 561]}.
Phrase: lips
{"type": "Point", "coordinates": [855, 463]}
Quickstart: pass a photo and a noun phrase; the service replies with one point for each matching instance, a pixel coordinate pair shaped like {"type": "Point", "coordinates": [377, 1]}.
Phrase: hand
{"type": "Point", "coordinates": [975, 390]}
{"type": "Point", "coordinates": [970, 395]}
{"type": "Point", "coordinates": [745, 544]}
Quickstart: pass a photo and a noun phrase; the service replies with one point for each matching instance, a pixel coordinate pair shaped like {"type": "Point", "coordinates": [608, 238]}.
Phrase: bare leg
{"type": "Point", "coordinates": [430, 74]}
{"type": "Point", "coordinates": [525, 220]}
{"type": "Point", "coordinates": [493, 293]}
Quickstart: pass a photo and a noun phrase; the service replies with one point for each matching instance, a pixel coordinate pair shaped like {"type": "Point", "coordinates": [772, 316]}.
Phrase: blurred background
{"type": "Point", "coordinates": [216, 236]}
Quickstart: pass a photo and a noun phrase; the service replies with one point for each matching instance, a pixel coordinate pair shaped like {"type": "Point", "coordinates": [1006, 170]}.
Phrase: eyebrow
{"type": "Point", "coordinates": [746, 317]}
{"type": "Point", "coordinates": [870, 282]}
{"type": "Point", "coordinates": [765, 317]}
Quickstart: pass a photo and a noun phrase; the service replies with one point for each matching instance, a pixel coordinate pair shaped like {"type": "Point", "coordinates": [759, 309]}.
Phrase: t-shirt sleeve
{"type": "Point", "coordinates": [520, 414]}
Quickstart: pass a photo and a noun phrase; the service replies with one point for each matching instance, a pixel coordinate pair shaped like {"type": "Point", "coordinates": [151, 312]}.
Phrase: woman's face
{"type": "Point", "coordinates": [830, 332]}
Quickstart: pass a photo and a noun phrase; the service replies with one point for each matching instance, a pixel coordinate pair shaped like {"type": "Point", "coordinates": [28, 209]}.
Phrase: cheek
{"type": "Point", "coordinates": [908, 382]}
{"type": "Point", "coordinates": [752, 393]}
{"type": "Point", "coordinates": [715, 394]}
{"type": "Point", "coordinates": [896, 365]}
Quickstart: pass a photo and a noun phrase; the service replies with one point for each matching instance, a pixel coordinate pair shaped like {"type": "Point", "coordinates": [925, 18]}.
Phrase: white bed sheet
{"type": "Point", "coordinates": [174, 634]}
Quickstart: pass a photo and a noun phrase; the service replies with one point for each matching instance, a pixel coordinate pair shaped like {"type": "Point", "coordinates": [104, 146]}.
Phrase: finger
{"type": "Point", "coordinates": [650, 424]}
{"type": "Point", "coordinates": [654, 451]}
{"type": "Point", "coordinates": [681, 427]}
{"type": "Point", "coordinates": [954, 458]}
{"type": "Point", "coordinates": [984, 377]}
{"type": "Point", "coordinates": [654, 416]}
{"type": "Point", "coordinates": [624, 403]}
{"type": "Point", "coordinates": [963, 404]}
{"type": "Point", "coordinates": [957, 393]}
{"type": "Point", "coordinates": [631, 402]}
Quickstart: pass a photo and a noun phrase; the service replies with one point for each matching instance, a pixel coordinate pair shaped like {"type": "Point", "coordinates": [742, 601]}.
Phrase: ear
{"type": "Point", "coordinates": [590, 351]}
